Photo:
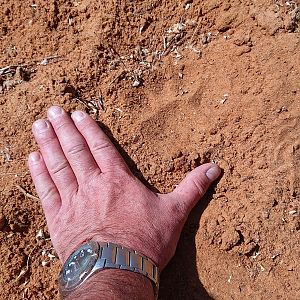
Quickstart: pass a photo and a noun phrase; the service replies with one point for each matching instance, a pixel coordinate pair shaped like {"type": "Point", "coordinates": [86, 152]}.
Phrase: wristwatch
{"type": "Point", "coordinates": [95, 256]}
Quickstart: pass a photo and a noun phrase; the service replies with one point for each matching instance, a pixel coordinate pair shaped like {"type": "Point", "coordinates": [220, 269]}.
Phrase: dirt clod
{"type": "Point", "coordinates": [229, 239]}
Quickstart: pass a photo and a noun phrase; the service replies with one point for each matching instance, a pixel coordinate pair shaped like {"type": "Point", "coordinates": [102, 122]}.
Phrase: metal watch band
{"type": "Point", "coordinates": [113, 256]}
{"type": "Point", "coordinates": [119, 257]}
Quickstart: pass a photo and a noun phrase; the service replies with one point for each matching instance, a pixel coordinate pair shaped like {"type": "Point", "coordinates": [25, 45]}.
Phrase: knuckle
{"type": "Point", "coordinates": [39, 173]}
{"type": "Point", "coordinates": [86, 125]}
{"type": "Point", "coordinates": [101, 145]}
{"type": "Point", "coordinates": [200, 185]}
{"type": "Point", "coordinates": [48, 194]}
{"type": "Point", "coordinates": [121, 178]}
{"type": "Point", "coordinates": [59, 167]}
{"type": "Point", "coordinates": [47, 139]}
{"type": "Point", "coordinates": [61, 126]}
{"type": "Point", "coordinates": [77, 149]}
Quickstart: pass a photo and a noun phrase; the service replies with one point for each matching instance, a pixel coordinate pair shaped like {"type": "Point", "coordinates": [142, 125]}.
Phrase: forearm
{"type": "Point", "coordinates": [113, 284]}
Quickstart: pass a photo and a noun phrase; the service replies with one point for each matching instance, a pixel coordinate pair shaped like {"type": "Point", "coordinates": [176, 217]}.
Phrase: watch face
{"type": "Point", "coordinates": [79, 265]}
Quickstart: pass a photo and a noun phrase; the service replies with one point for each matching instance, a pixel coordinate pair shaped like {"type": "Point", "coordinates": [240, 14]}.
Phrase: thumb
{"type": "Point", "coordinates": [193, 187]}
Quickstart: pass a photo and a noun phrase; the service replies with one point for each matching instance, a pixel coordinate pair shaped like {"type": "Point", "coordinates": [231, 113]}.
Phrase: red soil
{"type": "Point", "coordinates": [214, 81]}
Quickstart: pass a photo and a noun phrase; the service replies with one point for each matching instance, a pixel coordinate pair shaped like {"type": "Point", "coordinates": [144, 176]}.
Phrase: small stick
{"type": "Point", "coordinates": [6, 174]}
{"type": "Point", "coordinates": [89, 104]}
{"type": "Point", "coordinates": [195, 31]}
{"type": "Point", "coordinates": [26, 268]}
{"type": "Point", "coordinates": [117, 77]}
{"type": "Point", "coordinates": [101, 102]}
{"type": "Point", "coordinates": [26, 193]}
{"type": "Point", "coordinates": [46, 60]}
{"type": "Point", "coordinates": [9, 69]}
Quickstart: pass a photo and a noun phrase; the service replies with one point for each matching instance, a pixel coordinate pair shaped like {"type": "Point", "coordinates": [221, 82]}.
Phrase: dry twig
{"type": "Point", "coordinates": [21, 189]}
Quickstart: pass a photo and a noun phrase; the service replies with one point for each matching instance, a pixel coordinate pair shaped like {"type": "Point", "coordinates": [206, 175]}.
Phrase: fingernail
{"type": "Point", "coordinates": [40, 125]}
{"type": "Point", "coordinates": [55, 111]}
{"type": "Point", "coordinates": [213, 173]}
{"type": "Point", "coordinates": [34, 157]}
{"type": "Point", "coordinates": [78, 115]}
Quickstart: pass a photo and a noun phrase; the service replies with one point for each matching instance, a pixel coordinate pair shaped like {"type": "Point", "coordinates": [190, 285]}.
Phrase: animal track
{"type": "Point", "coordinates": [287, 153]}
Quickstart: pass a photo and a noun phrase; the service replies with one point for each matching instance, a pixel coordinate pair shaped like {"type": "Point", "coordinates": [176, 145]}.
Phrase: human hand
{"type": "Point", "coordinates": [88, 192]}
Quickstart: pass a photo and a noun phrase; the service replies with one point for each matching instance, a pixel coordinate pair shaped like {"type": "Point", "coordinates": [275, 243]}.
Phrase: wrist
{"type": "Point", "coordinates": [92, 259]}
{"type": "Point", "coordinates": [131, 242]}
{"type": "Point", "coordinates": [114, 284]}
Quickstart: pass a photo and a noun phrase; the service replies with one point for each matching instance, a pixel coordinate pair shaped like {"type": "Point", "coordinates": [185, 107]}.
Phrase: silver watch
{"type": "Point", "coordinates": [93, 257]}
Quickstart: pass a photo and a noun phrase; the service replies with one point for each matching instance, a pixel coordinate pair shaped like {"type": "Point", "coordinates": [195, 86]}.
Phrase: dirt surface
{"type": "Point", "coordinates": [176, 84]}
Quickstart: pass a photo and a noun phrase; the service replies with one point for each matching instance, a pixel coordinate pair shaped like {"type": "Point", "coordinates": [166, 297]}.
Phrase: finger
{"type": "Point", "coordinates": [193, 187]}
{"type": "Point", "coordinates": [106, 155]}
{"type": "Point", "coordinates": [73, 144]}
{"type": "Point", "coordinates": [55, 160]}
{"type": "Point", "coordinates": [44, 186]}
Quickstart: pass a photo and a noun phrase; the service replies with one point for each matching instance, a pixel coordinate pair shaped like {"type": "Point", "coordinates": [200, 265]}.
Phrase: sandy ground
{"type": "Point", "coordinates": [174, 84]}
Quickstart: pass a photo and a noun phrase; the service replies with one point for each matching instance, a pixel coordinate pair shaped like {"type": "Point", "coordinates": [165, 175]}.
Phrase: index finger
{"type": "Point", "coordinates": [104, 152]}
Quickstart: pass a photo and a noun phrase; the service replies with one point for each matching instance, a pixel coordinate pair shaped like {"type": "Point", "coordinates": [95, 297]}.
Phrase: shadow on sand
{"type": "Point", "coordinates": [180, 278]}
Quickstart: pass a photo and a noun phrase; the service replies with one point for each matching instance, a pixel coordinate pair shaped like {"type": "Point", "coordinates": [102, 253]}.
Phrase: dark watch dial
{"type": "Point", "coordinates": [79, 265]}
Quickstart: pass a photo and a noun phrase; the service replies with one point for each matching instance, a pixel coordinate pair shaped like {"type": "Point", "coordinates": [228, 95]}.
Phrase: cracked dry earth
{"type": "Point", "coordinates": [175, 84]}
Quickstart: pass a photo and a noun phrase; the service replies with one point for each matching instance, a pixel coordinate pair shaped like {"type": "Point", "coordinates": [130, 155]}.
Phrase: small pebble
{"type": "Point", "coordinates": [136, 83]}
{"type": "Point", "coordinates": [292, 212]}
{"type": "Point", "coordinates": [45, 263]}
